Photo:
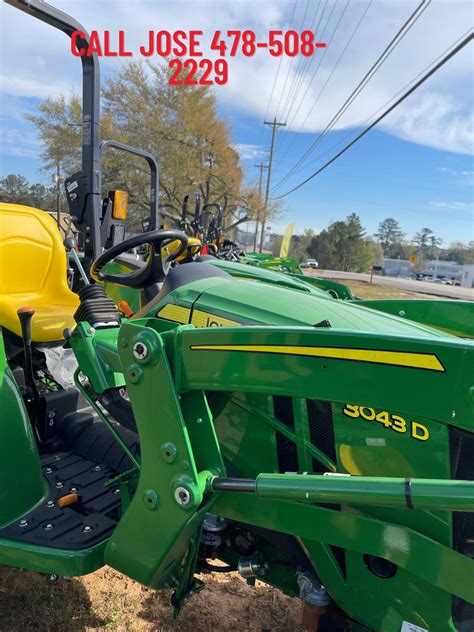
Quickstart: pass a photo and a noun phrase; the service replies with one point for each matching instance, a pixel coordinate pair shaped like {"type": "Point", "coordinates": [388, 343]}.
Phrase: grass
{"type": "Point", "coordinates": [107, 600]}
{"type": "Point", "coordinates": [366, 290]}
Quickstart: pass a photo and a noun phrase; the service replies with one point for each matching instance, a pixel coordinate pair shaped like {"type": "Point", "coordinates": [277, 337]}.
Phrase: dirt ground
{"type": "Point", "coordinates": [107, 600]}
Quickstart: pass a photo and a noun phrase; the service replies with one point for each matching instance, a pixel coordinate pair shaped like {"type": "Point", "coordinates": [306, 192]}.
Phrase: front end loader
{"type": "Point", "coordinates": [314, 444]}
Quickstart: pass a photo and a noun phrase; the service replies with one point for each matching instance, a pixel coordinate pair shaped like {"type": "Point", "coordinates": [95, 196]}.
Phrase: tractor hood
{"type": "Point", "coordinates": [221, 300]}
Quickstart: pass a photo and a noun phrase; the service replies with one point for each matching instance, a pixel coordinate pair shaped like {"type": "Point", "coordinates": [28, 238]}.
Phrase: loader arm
{"type": "Point", "coordinates": [181, 458]}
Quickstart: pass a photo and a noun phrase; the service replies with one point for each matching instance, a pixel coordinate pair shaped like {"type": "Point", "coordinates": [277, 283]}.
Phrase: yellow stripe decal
{"type": "Point", "coordinates": [205, 319]}
{"type": "Point", "coordinates": [176, 313]}
{"type": "Point", "coordinates": [425, 361]}
{"type": "Point", "coordinates": [179, 314]}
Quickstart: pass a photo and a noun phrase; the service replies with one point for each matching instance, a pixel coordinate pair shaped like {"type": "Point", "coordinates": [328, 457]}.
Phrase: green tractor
{"type": "Point", "coordinates": [452, 316]}
{"type": "Point", "coordinates": [315, 444]}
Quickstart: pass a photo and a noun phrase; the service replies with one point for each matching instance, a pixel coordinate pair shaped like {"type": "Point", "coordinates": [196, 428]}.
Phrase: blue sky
{"type": "Point", "coordinates": [417, 166]}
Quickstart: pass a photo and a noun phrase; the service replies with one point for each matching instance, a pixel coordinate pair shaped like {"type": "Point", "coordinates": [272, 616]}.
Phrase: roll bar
{"type": "Point", "coordinates": [90, 115]}
{"type": "Point", "coordinates": [154, 218]}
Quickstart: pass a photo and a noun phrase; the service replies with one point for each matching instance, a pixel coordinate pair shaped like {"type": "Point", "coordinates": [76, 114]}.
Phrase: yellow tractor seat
{"type": "Point", "coordinates": [33, 273]}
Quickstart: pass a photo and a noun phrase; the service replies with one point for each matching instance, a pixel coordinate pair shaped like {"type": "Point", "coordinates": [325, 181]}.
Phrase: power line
{"type": "Point", "coordinates": [328, 79]}
{"type": "Point", "coordinates": [322, 55]}
{"type": "Point", "coordinates": [292, 61]}
{"type": "Point", "coordinates": [408, 24]}
{"type": "Point", "coordinates": [380, 109]}
{"type": "Point", "coordinates": [304, 62]}
{"type": "Point", "coordinates": [339, 58]}
{"type": "Point", "coordinates": [425, 77]}
{"type": "Point", "coordinates": [277, 72]}
{"type": "Point", "coordinates": [328, 45]}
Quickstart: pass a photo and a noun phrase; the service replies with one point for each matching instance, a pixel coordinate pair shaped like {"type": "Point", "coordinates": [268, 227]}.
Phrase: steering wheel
{"type": "Point", "coordinates": [155, 267]}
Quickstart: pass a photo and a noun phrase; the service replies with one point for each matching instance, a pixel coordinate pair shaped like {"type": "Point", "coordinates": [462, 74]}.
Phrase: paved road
{"type": "Point", "coordinates": [443, 291]}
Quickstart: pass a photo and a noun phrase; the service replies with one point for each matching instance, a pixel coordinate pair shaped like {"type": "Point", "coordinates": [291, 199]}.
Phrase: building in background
{"type": "Point", "coordinates": [435, 268]}
{"type": "Point", "coordinates": [467, 277]}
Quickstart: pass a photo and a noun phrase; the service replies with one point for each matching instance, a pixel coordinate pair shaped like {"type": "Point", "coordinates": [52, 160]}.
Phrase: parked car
{"type": "Point", "coordinates": [312, 263]}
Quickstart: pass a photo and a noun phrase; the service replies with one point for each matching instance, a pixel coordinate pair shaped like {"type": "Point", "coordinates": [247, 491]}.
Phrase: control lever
{"type": "Point", "coordinates": [70, 246]}
{"type": "Point", "coordinates": [25, 314]}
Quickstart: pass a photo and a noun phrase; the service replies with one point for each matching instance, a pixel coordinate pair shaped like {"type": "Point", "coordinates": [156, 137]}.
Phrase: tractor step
{"type": "Point", "coordinates": [82, 524]}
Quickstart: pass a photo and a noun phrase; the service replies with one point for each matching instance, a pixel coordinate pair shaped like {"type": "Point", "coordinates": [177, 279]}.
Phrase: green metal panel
{"type": "Point", "coordinates": [120, 293]}
{"type": "Point", "coordinates": [153, 536]}
{"type": "Point", "coordinates": [443, 392]}
{"type": "Point", "coordinates": [97, 356]}
{"type": "Point", "coordinates": [272, 277]}
{"type": "Point", "coordinates": [42, 559]}
{"type": "Point", "coordinates": [363, 447]}
{"type": "Point", "coordinates": [337, 290]}
{"type": "Point", "coordinates": [22, 484]}
{"type": "Point", "coordinates": [453, 317]}
{"type": "Point", "coordinates": [250, 302]}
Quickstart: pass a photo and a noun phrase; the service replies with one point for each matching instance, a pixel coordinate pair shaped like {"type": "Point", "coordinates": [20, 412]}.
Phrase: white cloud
{"type": "Point", "coordinates": [461, 177]}
{"type": "Point", "coordinates": [452, 205]}
{"type": "Point", "coordinates": [435, 120]}
{"type": "Point", "coordinates": [439, 115]}
{"type": "Point", "coordinates": [20, 143]}
{"type": "Point", "coordinates": [247, 151]}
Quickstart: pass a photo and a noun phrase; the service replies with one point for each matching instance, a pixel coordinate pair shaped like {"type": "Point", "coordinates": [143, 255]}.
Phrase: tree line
{"type": "Point", "coordinates": [16, 189]}
{"type": "Point", "coordinates": [424, 244]}
{"type": "Point", "coordinates": [180, 127]}
{"type": "Point", "coordinates": [192, 144]}
{"type": "Point", "coordinates": [345, 245]}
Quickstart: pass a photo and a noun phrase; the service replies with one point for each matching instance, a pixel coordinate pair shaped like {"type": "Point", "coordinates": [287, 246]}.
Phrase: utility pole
{"type": "Point", "coordinates": [261, 166]}
{"type": "Point", "coordinates": [274, 125]}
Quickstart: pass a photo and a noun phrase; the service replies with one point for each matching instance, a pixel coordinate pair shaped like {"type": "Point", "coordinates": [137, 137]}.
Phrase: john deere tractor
{"type": "Point", "coordinates": [314, 444]}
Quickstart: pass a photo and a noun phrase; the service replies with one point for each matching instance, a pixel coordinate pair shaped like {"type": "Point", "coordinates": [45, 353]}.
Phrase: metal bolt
{"type": "Point", "coordinates": [50, 503]}
{"type": "Point", "coordinates": [23, 523]}
{"type": "Point", "coordinates": [116, 491]}
{"type": "Point", "coordinates": [151, 499]}
{"type": "Point", "coordinates": [48, 470]}
{"type": "Point", "coordinates": [91, 331]}
{"type": "Point", "coordinates": [97, 468]}
{"type": "Point", "coordinates": [48, 527]}
{"type": "Point", "coordinates": [87, 529]}
{"type": "Point", "coordinates": [73, 489]}
{"type": "Point", "coordinates": [57, 457]}
{"type": "Point", "coordinates": [199, 420]}
{"type": "Point", "coordinates": [401, 312]}
{"type": "Point", "coordinates": [59, 485]}
{"type": "Point", "coordinates": [169, 452]}
{"type": "Point", "coordinates": [140, 351]}
{"type": "Point", "coordinates": [182, 496]}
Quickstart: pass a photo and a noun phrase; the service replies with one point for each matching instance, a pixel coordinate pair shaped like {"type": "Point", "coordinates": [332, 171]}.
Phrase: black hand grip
{"type": "Point", "coordinates": [25, 314]}
{"type": "Point", "coordinates": [69, 243]}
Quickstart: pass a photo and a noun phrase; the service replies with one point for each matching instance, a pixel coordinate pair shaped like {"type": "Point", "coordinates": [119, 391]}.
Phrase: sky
{"type": "Point", "coordinates": [416, 166]}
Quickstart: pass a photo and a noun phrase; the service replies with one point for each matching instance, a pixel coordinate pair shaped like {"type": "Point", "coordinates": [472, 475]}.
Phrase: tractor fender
{"type": "Point", "coordinates": [23, 485]}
